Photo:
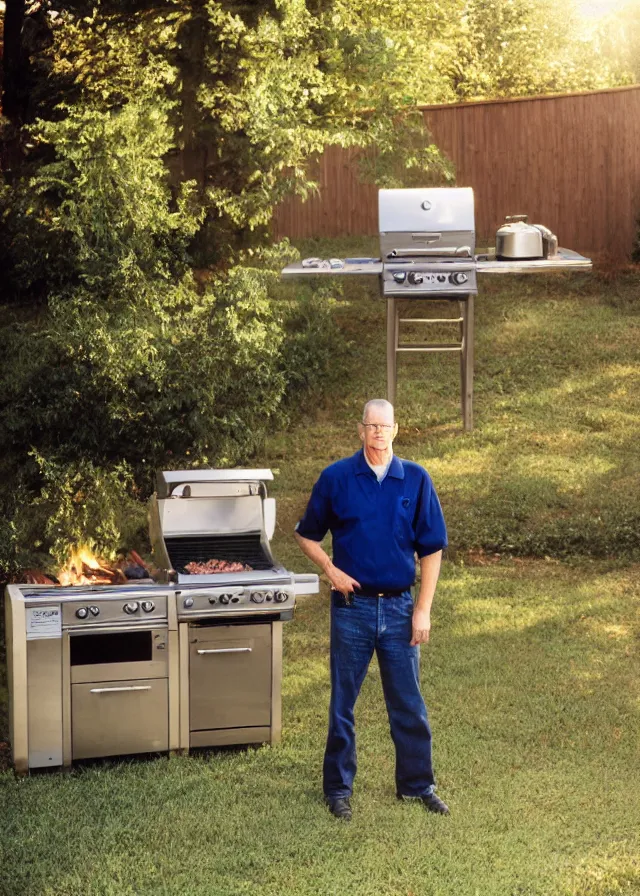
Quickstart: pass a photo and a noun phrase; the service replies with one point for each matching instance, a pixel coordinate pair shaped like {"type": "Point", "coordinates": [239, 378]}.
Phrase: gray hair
{"type": "Point", "coordinates": [377, 403]}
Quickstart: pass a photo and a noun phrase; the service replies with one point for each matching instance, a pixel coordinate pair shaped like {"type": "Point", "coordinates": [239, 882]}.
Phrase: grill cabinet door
{"type": "Point", "coordinates": [230, 676]}
{"type": "Point", "coordinates": [117, 718]}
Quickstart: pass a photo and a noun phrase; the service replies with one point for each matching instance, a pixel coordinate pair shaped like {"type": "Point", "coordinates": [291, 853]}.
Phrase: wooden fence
{"type": "Point", "coordinates": [571, 162]}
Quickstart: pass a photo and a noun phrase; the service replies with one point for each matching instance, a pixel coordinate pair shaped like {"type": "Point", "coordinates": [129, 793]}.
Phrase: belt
{"type": "Point", "coordinates": [387, 592]}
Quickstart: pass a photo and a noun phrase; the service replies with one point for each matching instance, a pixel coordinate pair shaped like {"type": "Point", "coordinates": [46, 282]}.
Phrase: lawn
{"type": "Point", "coordinates": [531, 678]}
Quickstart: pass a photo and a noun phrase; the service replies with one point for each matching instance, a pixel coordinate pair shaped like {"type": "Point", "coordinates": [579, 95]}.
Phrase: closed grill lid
{"type": "Point", "coordinates": [432, 209]}
{"type": "Point", "coordinates": [427, 223]}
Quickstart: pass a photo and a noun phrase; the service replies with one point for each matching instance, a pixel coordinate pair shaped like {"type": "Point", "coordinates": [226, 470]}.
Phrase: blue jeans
{"type": "Point", "coordinates": [358, 628]}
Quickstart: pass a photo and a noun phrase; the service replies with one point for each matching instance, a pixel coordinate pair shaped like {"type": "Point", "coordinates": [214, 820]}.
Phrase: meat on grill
{"type": "Point", "coordinates": [209, 566]}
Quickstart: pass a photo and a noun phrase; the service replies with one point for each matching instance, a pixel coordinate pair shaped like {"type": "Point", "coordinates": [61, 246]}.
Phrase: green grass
{"type": "Point", "coordinates": [531, 678]}
{"type": "Point", "coordinates": [533, 689]}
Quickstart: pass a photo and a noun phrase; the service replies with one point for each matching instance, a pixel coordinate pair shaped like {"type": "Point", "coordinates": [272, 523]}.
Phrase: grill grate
{"type": "Point", "coordinates": [200, 548]}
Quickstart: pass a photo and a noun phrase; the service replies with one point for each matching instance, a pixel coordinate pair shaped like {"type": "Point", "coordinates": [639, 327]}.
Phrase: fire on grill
{"type": "Point", "coordinates": [83, 567]}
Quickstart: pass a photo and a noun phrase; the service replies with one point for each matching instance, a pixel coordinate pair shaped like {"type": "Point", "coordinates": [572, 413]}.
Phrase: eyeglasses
{"type": "Point", "coordinates": [383, 427]}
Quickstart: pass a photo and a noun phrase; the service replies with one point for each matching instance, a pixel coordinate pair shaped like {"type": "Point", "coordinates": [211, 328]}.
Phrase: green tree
{"type": "Point", "coordinates": [139, 364]}
{"type": "Point", "coordinates": [146, 326]}
{"type": "Point", "coordinates": [515, 48]}
{"type": "Point", "coordinates": [258, 88]}
{"type": "Point", "coordinates": [617, 37]}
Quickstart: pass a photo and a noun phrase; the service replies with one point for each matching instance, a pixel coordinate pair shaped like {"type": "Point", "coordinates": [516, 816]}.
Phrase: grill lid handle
{"type": "Point", "coordinates": [427, 237]}
{"type": "Point", "coordinates": [167, 480]}
{"type": "Point", "coordinates": [442, 252]}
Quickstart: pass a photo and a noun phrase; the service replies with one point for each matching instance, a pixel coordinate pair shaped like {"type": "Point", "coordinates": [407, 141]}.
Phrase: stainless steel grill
{"type": "Point", "coordinates": [427, 242]}
{"type": "Point", "coordinates": [226, 515]}
{"type": "Point", "coordinates": [111, 670]}
{"type": "Point", "coordinates": [428, 251]}
{"type": "Point", "coordinates": [229, 623]}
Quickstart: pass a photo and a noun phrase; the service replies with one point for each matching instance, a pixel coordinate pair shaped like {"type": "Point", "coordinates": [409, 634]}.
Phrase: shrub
{"type": "Point", "coordinates": [85, 504]}
{"type": "Point", "coordinates": [132, 364]}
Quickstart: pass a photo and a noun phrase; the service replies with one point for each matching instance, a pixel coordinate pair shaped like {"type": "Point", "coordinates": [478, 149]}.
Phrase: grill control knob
{"type": "Point", "coordinates": [459, 278]}
{"type": "Point", "coordinates": [257, 597]}
{"type": "Point", "coordinates": [82, 613]}
{"type": "Point", "coordinates": [95, 611]}
{"type": "Point", "coordinates": [225, 598]}
{"type": "Point", "coordinates": [414, 278]}
{"type": "Point", "coordinates": [281, 597]}
{"type": "Point", "coordinates": [131, 607]}
{"type": "Point", "coordinates": [148, 606]}
{"type": "Point", "coordinates": [187, 603]}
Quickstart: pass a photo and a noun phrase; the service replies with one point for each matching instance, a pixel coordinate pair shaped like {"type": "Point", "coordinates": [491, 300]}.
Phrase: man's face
{"type": "Point", "coordinates": [379, 429]}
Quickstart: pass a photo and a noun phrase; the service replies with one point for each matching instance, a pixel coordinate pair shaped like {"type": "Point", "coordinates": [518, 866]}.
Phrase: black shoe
{"type": "Point", "coordinates": [431, 802]}
{"type": "Point", "coordinates": [339, 806]}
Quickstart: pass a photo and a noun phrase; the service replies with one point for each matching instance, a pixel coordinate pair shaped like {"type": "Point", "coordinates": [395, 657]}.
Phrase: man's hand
{"type": "Point", "coordinates": [421, 625]}
{"type": "Point", "coordinates": [340, 581]}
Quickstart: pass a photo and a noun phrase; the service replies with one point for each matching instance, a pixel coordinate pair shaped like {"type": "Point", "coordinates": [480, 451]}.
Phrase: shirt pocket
{"type": "Point", "coordinates": [404, 516]}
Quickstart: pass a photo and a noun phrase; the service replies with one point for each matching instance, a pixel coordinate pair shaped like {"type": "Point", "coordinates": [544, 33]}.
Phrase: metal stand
{"type": "Point", "coordinates": [464, 347]}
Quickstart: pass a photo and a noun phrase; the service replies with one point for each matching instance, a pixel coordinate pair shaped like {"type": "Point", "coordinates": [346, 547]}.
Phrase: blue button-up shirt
{"type": "Point", "coordinates": [377, 527]}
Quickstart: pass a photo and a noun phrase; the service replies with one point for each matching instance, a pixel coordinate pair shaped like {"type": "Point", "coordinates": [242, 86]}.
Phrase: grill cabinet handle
{"type": "Point", "coordinates": [137, 687]}
{"type": "Point", "coordinates": [226, 650]}
{"type": "Point", "coordinates": [443, 251]}
{"type": "Point", "coordinates": [429, 237]}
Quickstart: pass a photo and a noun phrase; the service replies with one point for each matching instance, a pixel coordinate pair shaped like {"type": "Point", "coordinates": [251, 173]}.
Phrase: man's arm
{"type": "Point", "coordinates": [340, 581]}
{"type": "Point", "coordinates": [429, 572]}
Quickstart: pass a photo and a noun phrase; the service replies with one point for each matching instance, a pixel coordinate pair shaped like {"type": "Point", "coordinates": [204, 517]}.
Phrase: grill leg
{"type": "Point", "coordinates": [463, 315]}
{"type": "Point", "coordinates": [466, 362]}
{"type": "Point", "coordinates": [276, 682]}
{"type": "Point", "coordinates": [392, 346]}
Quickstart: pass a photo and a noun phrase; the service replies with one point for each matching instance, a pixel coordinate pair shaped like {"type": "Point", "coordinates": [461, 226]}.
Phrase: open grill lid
{"type": "Point", "coordinates": [427, 223]}
{"type": "Point", "coordinates": [203, 482]}
{"type": "Point", "coordinates": [203, 515]}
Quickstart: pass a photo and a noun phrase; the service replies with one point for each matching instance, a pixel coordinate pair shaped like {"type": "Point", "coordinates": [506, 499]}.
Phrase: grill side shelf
{"type": "Point", "coordinates": [323, 268]}
{"type": "Point", "coordinates": [565, 260]}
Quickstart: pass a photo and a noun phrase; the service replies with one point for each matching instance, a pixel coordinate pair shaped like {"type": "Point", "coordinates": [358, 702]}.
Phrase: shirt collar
{"type": "Point", "coordinates": [396, 470]}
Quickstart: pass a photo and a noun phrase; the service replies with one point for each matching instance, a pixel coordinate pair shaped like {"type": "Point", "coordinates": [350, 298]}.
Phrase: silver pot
{"type": "Point", "coordinates": [517, 240]}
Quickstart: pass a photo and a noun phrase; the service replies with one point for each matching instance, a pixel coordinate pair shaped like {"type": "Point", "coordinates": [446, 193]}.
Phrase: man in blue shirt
{"type": "Point", "coordinates": [381, 512]}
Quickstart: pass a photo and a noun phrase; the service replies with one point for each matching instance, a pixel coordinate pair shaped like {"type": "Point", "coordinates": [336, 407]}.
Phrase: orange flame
{"type": "Point", "coordinates": [84, 568]}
